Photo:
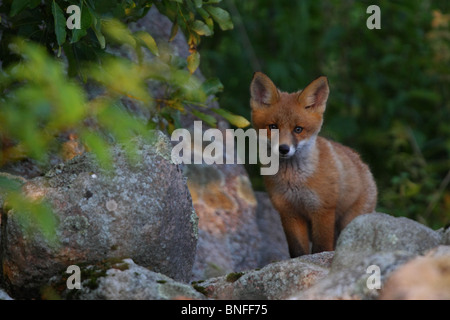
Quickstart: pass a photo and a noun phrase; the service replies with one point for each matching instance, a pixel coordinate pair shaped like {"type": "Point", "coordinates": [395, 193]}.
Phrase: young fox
{"type": "Point", "coordinates": [321, 185]}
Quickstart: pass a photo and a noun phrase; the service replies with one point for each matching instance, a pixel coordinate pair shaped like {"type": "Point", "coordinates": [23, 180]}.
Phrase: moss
{"type": "Point", "coordinates": [161, 281]}
{"type": "Point", "coordinates": [232, 277]}
{"type": "Point", "coordinates": [90, 276]}
{"type": "Point", "coordinates": [200, 289]}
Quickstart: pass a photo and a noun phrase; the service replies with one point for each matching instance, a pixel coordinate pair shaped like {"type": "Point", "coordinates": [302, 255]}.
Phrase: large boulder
{"type": "Point", "coordinates": [228, 234]}
{"type": "Point", "coordinates": [381, 233]}
{"type": "Point", "coordinates": [238, 229]}
{"type": "Point", "coordinates": [141, 210]}
{"type": "Point", "coordinates": [374, 244]}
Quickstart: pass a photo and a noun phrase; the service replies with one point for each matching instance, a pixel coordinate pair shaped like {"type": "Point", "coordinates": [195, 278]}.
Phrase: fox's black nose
{"type": "Point", "coordinates": [284, 149]}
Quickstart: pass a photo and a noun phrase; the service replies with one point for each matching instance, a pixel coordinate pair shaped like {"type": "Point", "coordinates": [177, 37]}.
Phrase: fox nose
{"type": "Point", "coordinates": [284, 149]}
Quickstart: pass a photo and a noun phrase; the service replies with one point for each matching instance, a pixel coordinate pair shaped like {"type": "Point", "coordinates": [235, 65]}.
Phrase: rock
{"type": "Point", "coordinates": [142, 211]}
{"type": "Point", "coordinates": [446, 237]}
{"type": "Point", "coordinates": [276, 281]}
{"type": "Point", "coordinates": [381, 233]}
{"type": "Point", "coordinates": [125, 280]}
{"type": "Point", "coordinates": [273, 245]}
{"type": "Point", "coordinates": [423, 278]}
{"type": "Point", "coordinates": [439, 251]}
{"type": "Point", "coordinates": [237, 231]}
{"type": "Point", "coordinates": [228, 234]}
{"type": "Point", "coordinates": [351, 283]}
{"type": "Point", "coordinates": [4, 295]}
{"type": "Point", "coordinates": [376, 240]}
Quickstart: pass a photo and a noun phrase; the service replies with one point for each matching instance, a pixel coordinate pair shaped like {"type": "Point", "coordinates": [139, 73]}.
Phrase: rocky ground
{"type": "Point", "coordinates": [138, 234]}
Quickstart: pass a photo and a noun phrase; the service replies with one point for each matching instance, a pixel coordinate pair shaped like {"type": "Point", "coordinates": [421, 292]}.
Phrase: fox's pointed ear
{"type": "Point", "coordinates": [315, 95]}
{"type": "Point", "coordinates": [263, 91]}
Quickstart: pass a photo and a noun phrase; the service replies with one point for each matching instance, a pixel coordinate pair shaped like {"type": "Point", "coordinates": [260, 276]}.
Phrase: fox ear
{"type": "Point", "coordinates": [262, 90]}
{"type": "Point", "coordinates": [315, 95]}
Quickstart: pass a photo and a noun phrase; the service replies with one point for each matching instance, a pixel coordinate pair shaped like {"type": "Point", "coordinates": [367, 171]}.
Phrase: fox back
{"type": "Point", "coordinates": [321, 185]}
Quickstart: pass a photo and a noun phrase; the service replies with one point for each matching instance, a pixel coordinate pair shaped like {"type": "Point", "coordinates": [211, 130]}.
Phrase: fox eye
{"type": "Point", "coordinates": [273, 126]}
{"type": "Point", "coordinates": [298, 129]}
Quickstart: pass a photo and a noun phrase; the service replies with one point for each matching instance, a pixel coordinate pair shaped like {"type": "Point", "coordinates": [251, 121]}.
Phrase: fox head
{"type": "Point", "coordinates": [298, 116]}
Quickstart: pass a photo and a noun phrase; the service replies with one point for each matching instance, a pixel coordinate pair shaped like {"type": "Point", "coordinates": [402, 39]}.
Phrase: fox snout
{"type": "Point", "coordinates": [287, 150]}
{"type": "Point", "coordinates": [284, 150]}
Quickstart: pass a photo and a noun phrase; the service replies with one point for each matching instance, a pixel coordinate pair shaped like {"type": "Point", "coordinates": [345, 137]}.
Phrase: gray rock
{"type": "Point", "coordinates": [351, 283]}
{"type": "Point", "coordinates": [276, 281]}
{"type": "Point", "coordinates": [439, 251]}
{"type": "Point", "coordinates": [229, 238]}
{"type": "Point", "coordinates": [423, 278]}
{"type": "Point", "coordinates": [380, 233]}
{"type": "Point", "coordinates": [371, 240]}
{"type": "Point", "coordinates": [446, 237]}
{"type": "Point", "coordinates": [4, 295]}
{"type": "Point", "coordinates": [273, 245]}
{"type": "Point", "coordinates": [142, 211]}
{"type": "Point", "coordinates": [234, 234]}
{"type": "Point", "coordinates": [126, 280]}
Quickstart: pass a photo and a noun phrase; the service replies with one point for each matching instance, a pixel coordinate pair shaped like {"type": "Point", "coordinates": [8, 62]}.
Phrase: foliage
{"type": "Point", "coordinates": [55, 80]}
{"type": "Point", "coordinates": [40, 99]}
{"type": "Point", "coordinates": [389, 88]}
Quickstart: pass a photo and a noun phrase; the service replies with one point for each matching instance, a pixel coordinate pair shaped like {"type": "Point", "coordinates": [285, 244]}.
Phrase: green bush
{"type": "Point", "coordinates": [42, 98]}
{"type": "Point", "coordinates": [46, 68]}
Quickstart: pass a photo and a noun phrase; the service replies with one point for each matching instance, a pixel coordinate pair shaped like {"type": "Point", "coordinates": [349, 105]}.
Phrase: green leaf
{"type": "Point", "coordinates": [212, 86]}
{"type": "Point", "coordinates": [221, 16]}
{"type": "Point", "coordinates": [60, 23]}
{"type": "Point", "coordinates": [210, 120]}
{"type": "Point", "coordinates": [97, 26]}
{"type": "Point", "coordinates": [147, 40]}
{"type": "Point", "coordinates": [236, 120]}
{"type": "Point", "coordinates": [99, 147]}
{"type": "Point", "coordinates": [86, 22]}
{"type": "Point", "coordinates": [201, 28]}
{"type": "Point", "coordinates": [173, 31]}
{"type": "Point", "coordinates": [10, 183]}
{"type": "Point", "coordinates": [193, 61]}
{"type": "Point", "coordinates": [119, 32]}
{"type": "Point", "coordinates": [18, 6]}
{"type": "Point", "coordinates": [34, 216]}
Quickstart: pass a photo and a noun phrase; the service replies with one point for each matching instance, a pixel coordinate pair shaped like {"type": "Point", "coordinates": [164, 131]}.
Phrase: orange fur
{"type": "Point", "coordinates": [321, 185]}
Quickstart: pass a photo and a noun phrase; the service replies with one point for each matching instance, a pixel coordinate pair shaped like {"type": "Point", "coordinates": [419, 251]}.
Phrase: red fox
{"type": "Point", "coordinates": [321, 185]}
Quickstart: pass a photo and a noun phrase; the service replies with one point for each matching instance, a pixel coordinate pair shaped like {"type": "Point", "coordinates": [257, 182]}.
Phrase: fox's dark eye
{"type": "Point", "coordinates": [298, 129]}
{"type": "Point", "coordinates": [273, 126]}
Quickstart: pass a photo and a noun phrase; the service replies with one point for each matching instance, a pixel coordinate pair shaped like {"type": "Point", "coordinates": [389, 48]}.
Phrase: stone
{"type": "Point", "coordinates": [273, 245]}
{"type": "Point", "coordinates": [422, 278]}
{"type": "Point", "coordinates": [276, 281]}
{"type": "Point", "coordinates": [446, 237]}
{"type": "Point", "coordinates": [374, 239]}
{"type": "Point", "coordinates": [228, 234]}
{"type": "Point", "coordinates": [4, 295]}
{"type": "Point", "coordinates": [125, 280]}
{"type": "Point", "coordinates": [351, 283]}
{"type": "Point", "coordinates": [141, 211]}
{"type": "Point", "coordinates": [380, 233]}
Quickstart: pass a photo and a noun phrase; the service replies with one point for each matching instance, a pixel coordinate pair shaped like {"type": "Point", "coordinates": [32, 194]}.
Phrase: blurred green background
{"type": "Point", "coordinates": [389, 95]}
